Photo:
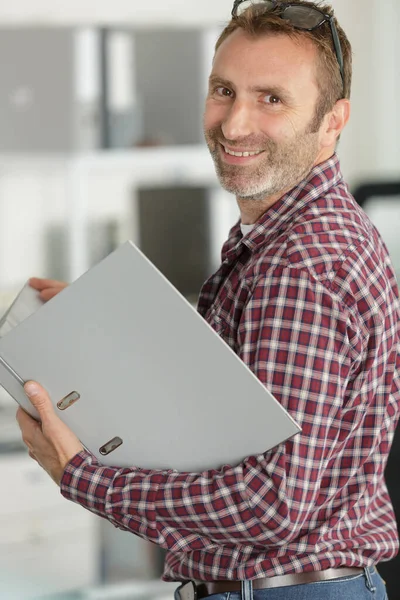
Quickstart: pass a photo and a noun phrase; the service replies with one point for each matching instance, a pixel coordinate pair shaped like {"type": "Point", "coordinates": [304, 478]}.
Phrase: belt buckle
{"type": "Point", "coordinates": [186, 591]}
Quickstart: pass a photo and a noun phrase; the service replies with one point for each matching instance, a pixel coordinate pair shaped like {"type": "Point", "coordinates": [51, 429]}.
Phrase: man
{"type": "Point", "coordinates": [306, 296]}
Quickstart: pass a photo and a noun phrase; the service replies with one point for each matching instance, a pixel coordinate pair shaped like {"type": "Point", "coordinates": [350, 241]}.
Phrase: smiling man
{"type": "Point", "coordinates": [260, 123]}
{"type": "Point", "coordinates": [307, 298]}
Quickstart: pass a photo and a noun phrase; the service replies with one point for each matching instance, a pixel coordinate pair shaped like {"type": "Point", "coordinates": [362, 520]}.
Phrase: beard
{"type": "Point", "coordinates": [280, 167]}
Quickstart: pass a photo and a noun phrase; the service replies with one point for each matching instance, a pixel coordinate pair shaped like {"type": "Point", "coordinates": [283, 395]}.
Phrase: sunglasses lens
{"type": "Point", "coordinates": [303, 17]}
{"type": "Point", "coordinates": [263, 5]}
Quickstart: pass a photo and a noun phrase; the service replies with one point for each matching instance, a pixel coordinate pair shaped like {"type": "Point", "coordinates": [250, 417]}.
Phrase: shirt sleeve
{"type": "Point", "coordinates": [301, 341]}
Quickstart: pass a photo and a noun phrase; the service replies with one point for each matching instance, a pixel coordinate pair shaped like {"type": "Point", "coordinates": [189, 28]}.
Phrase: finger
{"type": "Point", "coordinates": [28, 426]}
{"type": "Point", "coordinates": [32, 456]}
{"type": "Point", "coordinates": [40, 284]}
{"type": "Point", "coordinates": [24, 419]}
{"type": "Point", "coordinates": [40, 400]}
{"type": "Point", "coordinates": [49, 293]}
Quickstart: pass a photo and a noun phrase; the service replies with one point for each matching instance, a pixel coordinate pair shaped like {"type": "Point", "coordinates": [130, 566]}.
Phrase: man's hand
{"type": "Point", "coordinates": [48, 288]}
{"type": "Point", "coordinates": [51, 443]}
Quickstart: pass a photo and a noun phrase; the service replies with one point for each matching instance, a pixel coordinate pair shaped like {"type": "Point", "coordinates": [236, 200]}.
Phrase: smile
{"type": "Point", "coordinates": [246, 153]}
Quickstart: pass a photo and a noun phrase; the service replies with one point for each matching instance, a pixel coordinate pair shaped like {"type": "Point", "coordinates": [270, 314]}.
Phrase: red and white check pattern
{"type": "Point", "coordinates": [309, 301]}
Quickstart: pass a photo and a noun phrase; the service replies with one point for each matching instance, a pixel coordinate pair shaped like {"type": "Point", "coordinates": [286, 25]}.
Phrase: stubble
{"type": "Point", "coordinates": [280, 167]}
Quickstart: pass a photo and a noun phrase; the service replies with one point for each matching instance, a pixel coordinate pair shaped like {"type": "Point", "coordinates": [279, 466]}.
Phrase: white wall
{"type": "Point", "coordinates": [141, 13]}
{"type": "Point", "coordinates": [370, 147]}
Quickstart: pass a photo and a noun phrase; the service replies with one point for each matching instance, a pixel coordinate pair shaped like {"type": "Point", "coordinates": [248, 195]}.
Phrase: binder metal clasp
{"type": "Point", "coordinates": [68, 401]}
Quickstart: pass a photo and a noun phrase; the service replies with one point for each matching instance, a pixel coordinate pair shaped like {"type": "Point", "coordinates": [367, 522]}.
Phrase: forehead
{"type": "Point", "coordinates": [267, 59]}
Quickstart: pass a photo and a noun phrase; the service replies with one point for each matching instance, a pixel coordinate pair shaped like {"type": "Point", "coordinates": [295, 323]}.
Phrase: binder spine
{"type": "Point", "coordinates": [11, 371]}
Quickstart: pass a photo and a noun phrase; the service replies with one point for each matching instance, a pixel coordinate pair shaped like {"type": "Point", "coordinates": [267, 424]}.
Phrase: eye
{"type": "Point", "coordinates": [223, 91]}
{"type": "Point", "coordinates": [271, 99]}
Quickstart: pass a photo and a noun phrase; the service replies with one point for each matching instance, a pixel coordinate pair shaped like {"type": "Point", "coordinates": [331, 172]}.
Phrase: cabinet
{"type": "Point", "coordinates": [65, 202]}
{"type": "Point", "coordinates": [74, 198]}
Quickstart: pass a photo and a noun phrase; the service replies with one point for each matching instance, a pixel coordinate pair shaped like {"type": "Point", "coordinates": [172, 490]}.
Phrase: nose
{"type": "Point", "coordinates": [239, 121]}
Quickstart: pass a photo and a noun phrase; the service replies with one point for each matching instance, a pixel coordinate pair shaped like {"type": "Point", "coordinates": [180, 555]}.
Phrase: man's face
{"type": "Point", "coordinates": [261, 104]}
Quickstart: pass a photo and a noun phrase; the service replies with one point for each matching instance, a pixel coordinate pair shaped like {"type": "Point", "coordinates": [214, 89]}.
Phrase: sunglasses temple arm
{"type": "Point", "coordinates": [338, 48]}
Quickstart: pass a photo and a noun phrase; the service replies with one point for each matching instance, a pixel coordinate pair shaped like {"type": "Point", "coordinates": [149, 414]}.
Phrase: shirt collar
{"type": "Point", "coordinates": [320, 179]}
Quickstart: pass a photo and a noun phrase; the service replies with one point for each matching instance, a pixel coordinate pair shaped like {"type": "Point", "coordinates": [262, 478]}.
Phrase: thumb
{"type": "Point", "coordinates": [40, 400]}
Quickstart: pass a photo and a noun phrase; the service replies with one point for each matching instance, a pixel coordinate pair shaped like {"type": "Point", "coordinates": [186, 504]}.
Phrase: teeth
{"type": "Point", "coordinates": [241, 153]}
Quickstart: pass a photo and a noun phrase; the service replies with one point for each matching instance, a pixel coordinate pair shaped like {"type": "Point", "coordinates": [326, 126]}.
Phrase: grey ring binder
{"type": "Point", "coordinates": [149, 370]}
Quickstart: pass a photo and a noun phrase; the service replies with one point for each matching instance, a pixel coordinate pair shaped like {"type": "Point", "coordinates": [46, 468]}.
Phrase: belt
{"type": "Point", "coordinates": [207, 588]}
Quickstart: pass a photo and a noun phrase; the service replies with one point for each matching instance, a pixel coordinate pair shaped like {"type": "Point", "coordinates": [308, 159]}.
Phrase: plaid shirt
{"type": "Point", "coordinates": [309, 301]}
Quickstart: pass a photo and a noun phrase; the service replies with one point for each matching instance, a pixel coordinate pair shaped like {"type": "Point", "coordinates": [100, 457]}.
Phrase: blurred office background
{"type": "Point", "coordinates": [101, 141]}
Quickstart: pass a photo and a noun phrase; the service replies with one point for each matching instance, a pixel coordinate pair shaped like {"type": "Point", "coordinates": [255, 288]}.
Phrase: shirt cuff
{"type": "Point", "coordinates": [76, 476]}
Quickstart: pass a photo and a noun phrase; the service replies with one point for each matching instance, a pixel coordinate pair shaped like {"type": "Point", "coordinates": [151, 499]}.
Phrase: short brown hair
{"type": "Point", "coordinates": [255, 21]}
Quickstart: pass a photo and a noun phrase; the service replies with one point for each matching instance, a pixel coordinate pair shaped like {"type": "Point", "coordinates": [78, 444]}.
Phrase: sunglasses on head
{"type": "Point", "coordinates": [300, 16]}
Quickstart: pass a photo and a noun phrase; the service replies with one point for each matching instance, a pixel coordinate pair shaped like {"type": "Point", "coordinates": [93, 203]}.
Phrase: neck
{"type": "Point", "coordinates": [251, 210]}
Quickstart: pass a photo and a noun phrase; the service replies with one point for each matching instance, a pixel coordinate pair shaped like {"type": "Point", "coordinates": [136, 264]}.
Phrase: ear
{"type": "Point", "coordinates": [334, 123]}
